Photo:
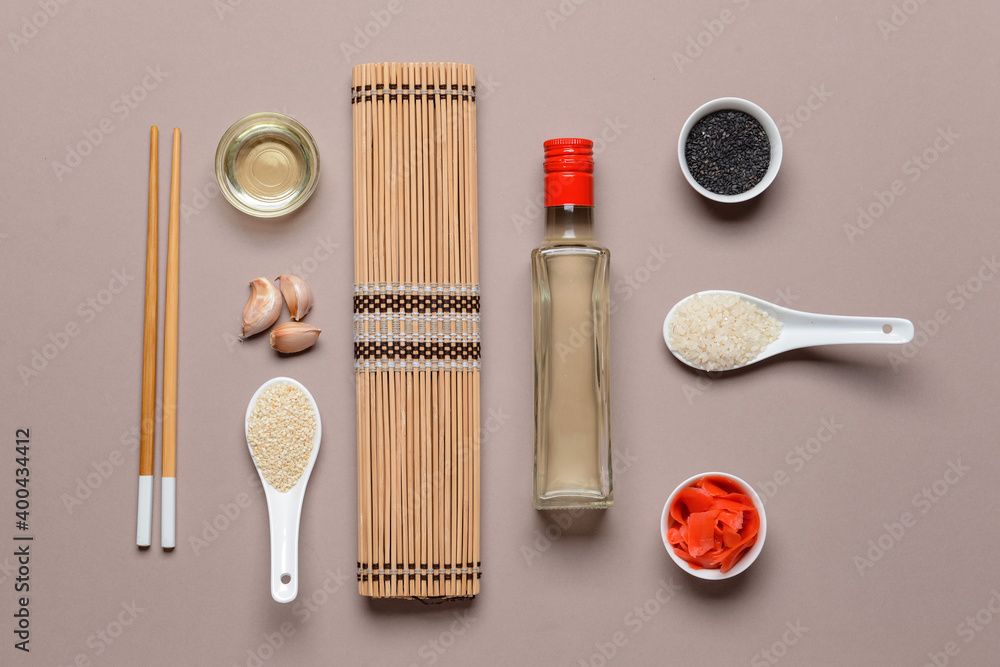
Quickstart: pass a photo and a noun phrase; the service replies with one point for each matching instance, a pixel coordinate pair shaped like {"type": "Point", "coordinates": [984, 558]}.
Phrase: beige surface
{"type": "Point", "coordinates": [842, 441]}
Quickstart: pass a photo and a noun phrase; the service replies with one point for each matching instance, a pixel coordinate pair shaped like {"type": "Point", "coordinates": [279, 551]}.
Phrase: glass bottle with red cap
{"type": "Point", "coordinates": [571, 299]}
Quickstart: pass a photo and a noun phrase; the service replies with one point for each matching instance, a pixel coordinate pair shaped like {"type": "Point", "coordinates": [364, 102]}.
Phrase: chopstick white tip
{"type": "Point", "coordinates": [168, 496]}
{"type": "Point", "coordinates": [144, 521]}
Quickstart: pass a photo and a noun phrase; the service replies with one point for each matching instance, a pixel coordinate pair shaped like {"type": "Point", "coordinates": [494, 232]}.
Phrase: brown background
{"type": "Point", "coordinates": [597, 67]}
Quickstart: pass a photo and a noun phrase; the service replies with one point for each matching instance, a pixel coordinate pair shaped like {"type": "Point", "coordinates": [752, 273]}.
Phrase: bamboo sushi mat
{"type": "Point", "coordinates": [416, 340]}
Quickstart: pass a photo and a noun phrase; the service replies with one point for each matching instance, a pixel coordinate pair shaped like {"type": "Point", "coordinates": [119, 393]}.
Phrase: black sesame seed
{"type": "Point", "coordinates": [727, 152]}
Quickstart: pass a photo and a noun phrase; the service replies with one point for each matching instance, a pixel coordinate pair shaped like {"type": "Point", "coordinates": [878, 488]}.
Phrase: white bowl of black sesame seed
{"type": "Point", "coordinates": [729, 150]}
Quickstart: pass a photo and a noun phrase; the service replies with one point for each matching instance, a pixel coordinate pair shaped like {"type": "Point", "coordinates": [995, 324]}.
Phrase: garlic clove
{"type": "Point", "coordinates": [262, 308]}
{"type": "Point", "coordinates": [289, 337]}
{"type": "Point", "coordinates": [297, 295]}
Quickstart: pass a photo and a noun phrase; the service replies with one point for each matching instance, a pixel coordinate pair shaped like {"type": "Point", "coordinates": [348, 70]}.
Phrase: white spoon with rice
{"type": "Point", "coordinates": [719, 330]}
{"type": "Point", "coordinates": [283, 433]}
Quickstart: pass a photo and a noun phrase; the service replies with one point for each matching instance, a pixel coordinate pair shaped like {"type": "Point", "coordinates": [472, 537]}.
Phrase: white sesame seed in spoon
{"type": "Point", "coordinates": [283, 435]}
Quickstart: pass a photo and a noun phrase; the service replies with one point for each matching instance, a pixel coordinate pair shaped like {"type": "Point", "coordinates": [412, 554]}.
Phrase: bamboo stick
{"type": "Point", "coordinates": [144, 521]}
{"type": "Point", "coordinates": [168, 463]}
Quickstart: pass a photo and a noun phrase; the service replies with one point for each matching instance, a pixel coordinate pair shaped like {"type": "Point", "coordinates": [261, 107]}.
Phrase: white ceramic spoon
{"type": "Point", "coordinates": [284, 509]}
{"type": "Point", "coordinates": [800, 329]}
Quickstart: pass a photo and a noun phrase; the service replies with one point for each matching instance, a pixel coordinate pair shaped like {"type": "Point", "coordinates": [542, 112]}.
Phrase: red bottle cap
{"type": "Point", "coordinates": [569, 172]}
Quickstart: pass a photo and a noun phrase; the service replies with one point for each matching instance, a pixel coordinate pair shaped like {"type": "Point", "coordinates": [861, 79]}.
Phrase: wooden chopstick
{"type": "Point", "coordinates": [144, 521]}
{"type": "Point", "coordinates": [169, 462]}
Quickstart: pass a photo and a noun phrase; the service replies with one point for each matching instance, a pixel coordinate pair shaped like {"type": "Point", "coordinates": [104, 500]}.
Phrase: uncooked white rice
{"type": "Point", "coordinates": [281, 433]}
{"type": "Point", "coordinates": [718, 332]}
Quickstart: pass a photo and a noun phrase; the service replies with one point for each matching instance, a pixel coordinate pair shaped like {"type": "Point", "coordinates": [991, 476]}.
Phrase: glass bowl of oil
{"type": "Point", "coordinates": [267, 164]}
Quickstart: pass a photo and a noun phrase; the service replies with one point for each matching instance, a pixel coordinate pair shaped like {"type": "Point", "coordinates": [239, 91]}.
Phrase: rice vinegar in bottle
{"type": "Point", "coordinates": [571, 300]}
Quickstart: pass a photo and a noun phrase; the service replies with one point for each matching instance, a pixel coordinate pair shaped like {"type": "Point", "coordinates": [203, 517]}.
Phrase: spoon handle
{"type": "Point", "coordinates": [284, 510]}
{"type": "Point", "coordinates": [810, 329]}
